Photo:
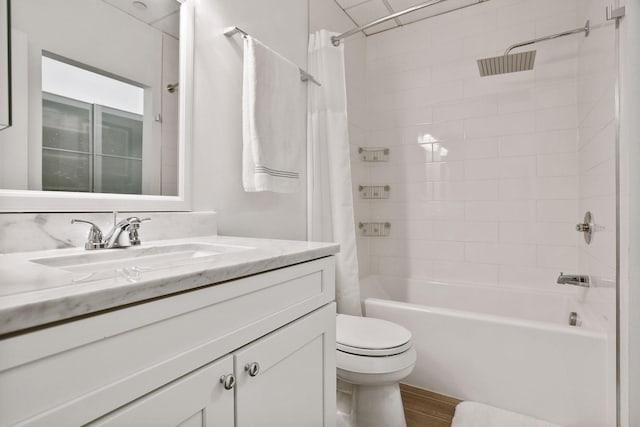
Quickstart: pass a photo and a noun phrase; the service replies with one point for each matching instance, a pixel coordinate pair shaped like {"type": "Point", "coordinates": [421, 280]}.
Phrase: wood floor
{"type": "Point", "coordinates": [424, 408]}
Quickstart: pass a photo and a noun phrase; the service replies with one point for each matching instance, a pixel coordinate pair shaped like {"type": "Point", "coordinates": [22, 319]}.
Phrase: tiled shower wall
{"type": "Point", "coordinates": [484, 172]}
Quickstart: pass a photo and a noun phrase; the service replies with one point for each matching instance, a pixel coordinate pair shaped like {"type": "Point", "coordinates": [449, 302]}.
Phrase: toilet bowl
{"type": "Point", "coordinates": [372, 357]}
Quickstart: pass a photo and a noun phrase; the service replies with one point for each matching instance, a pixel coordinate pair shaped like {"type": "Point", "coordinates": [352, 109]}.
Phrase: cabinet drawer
{"type": "Point", "coordinates": [75, 372]}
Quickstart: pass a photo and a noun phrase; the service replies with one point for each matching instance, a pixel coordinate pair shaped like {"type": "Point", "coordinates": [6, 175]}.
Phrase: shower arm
{"type": "Point", "coordinates": [584, 30]}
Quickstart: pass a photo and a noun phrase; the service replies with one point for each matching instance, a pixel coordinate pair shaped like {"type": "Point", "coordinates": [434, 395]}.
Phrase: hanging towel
{"type": "Point", "coordinates": [273, 118]}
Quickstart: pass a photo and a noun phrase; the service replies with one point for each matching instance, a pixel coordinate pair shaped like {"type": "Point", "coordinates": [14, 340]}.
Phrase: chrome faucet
{"type": "Point", "coordinates": [574, 279]}
{"type": "Point", "coordinates": [123, 234]}
{"type": "Point", "coordinates": [117, 238]}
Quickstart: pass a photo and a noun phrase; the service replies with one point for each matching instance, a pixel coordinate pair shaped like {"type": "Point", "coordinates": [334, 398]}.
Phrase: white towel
{"type": "Point", "coordinates": [473, 414]}
{"type": "Point", "coordinates": [273, 119]}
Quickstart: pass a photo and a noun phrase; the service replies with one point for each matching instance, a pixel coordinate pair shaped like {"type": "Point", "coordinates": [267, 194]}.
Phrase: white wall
{"type": "Point", "coordinates": [217, 152]}
{"type": "Point", "coordinates": [483, 171]}
{"type": "Point", "coordinates": [629, 214]}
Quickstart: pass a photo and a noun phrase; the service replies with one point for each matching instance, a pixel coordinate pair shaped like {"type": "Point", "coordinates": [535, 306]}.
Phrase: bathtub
{"type": "Point", "coordinates": [513, 349]}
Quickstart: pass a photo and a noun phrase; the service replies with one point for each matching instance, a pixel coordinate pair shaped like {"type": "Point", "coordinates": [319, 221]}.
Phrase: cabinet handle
{"type": "Point", "coordinates": [229, 381]}
{"type": "Point", "coordinates": [252, 368]}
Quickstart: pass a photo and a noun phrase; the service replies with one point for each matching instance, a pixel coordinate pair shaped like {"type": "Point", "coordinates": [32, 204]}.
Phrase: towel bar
{"type": "Point", "coordinates": [304, 76]}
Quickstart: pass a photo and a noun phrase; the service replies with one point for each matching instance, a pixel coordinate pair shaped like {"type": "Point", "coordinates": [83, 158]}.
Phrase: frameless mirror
{"type": "Point", "coordinates": [5, 88]}
{"type": "Point", "coordinates": [96, 100]}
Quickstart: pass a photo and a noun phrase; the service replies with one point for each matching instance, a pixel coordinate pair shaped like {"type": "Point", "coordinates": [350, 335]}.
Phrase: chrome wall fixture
{"type": "Point", "coordinates": [375, 229]}
{"type": "Point", "coordinates": [336, 39]}
{"type": "Point", "coordinates": [304, 76]}
{"type": "Point", "coordinates": [615, 14]}
{"type": "Point", "coordinates": [587, 227]}
{"type": "Point", "coordinates": [370, 154]}
{"type": "Point", "coordinates": [524, 61]}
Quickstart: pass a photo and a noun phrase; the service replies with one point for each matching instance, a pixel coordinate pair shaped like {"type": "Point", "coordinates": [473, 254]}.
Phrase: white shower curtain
{"type": "Point", "coordinates": [330, 201]}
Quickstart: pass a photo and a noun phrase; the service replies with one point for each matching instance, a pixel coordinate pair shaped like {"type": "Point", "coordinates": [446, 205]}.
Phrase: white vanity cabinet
{"type": "Point", "coordinates": [198, 399]}
{"type": "Point", "coordinates": [160, 363]}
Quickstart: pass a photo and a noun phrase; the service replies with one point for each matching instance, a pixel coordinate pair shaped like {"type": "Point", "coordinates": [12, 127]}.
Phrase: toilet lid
{"type": "Point", "coordinates": [368, 336]}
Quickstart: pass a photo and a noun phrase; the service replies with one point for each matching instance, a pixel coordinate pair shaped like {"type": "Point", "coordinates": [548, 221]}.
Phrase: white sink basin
{"type": "Point", "coordinates": [137, 259]}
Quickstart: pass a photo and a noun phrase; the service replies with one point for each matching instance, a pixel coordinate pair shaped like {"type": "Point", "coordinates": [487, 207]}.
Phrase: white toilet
{"type": "Point", "coordinates": [372, 356]}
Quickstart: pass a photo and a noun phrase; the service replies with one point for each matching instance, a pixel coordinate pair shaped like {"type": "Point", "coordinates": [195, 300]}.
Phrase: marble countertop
{"type": "Point", "coordinates": [32, 294]}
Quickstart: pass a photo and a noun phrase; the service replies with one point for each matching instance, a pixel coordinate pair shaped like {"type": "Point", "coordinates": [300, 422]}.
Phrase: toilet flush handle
{"type": "Point", "coordinates": [252, 368]}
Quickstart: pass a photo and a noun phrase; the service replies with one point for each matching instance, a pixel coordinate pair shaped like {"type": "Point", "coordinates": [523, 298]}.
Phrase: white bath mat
{"type": "Point", "coordinates": [473, 414]}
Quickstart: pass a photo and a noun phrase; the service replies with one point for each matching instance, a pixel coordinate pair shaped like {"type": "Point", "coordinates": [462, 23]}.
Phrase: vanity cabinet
{"type": "Point", "coordinates": [198, 399]}
{"type": "Point", "coordinates": [160, 363]}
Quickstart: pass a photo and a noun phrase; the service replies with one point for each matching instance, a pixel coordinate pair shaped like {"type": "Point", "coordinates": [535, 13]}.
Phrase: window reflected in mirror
{"type": "Point", "coordinates": [92, 131]}
{"type": "Point", "coordinates": [96, 102]}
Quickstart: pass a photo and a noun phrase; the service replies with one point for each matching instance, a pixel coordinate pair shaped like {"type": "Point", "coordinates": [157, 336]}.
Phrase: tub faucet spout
{"type": "Point", "coordinates": [573, 279]}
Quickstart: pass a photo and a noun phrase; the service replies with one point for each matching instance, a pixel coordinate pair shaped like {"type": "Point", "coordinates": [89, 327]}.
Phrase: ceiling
{"type": "Point", "coordinates": [362, 12]}
{"type": "Point", "coordinates": [163, 15]}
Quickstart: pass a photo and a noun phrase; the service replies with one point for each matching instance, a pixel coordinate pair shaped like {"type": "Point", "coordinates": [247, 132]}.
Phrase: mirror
{"type": "Point", "coordinates": [96, 98]}
{"type": "Point", "coordinates": [5, 88]}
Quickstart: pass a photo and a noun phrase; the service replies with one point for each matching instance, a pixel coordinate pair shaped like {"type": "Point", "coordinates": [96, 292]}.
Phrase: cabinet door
{"type": "Point", "coordinates": [196, 400]}
{"type": "Point", "coordinates": [288, 378]}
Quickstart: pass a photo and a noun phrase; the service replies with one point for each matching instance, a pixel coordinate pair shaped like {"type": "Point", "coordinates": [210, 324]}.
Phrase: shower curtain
{"type": "Point", "coordinates": [330, 201]}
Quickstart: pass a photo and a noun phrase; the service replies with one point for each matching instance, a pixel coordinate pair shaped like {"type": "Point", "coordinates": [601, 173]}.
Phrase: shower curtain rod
{"type": "Point", "coordinates": [336, 39]}
{"type": "Point", "coordinates": [304, 76]}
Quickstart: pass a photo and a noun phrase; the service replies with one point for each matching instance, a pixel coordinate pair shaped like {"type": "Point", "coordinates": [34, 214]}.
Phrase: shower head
{"type": "Point", "coordinates": [510, 63]}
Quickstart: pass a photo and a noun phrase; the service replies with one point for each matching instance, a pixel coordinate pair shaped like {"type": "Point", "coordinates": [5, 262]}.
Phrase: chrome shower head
{"type": "Point", "coordinates": [510, 63]}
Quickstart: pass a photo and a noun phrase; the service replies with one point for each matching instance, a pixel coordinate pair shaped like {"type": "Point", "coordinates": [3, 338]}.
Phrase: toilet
{"type": "Point", "coordinates": [372, 357]}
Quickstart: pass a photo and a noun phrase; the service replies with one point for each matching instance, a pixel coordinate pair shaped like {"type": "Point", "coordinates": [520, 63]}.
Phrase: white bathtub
{"type": "Point", "coordinates": [508, 348]}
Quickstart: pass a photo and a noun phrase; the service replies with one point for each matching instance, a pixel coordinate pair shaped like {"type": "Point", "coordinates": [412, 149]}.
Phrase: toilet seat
{"type": "Point", "coordinates": [374, 352]}
{"type": "Point", "coordinates": [367, 336]}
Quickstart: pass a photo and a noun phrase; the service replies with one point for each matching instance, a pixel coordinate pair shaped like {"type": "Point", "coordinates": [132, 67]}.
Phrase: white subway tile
{"type": "Point", "coordinates": [444, 209]}
{"type": "Point", "coordinates": [445, 171]}
{"type": "Point", "coordinates": [562, 141]}
{"type": "Point", "coordinates": [517, 167]}
{"type": "Point", "coordinates": [556, 118]}
{"type": "Point", "coordinates": [465, 231]}
{"type": "Point", "coordinates": [556, 95]}
{"type": "Point", "coordinates": [548, 233]}
{"type": "Point", "coordinates": [563, 187]}
{"type": "Point", "coordinates": [482, 169]}
{"type": "Point", "coordinates": [468, 108]}
{"type": "Point", "coordinates": [481, 148]}
{"type": "Point", "coordinates": [501, 253]}
{"type": "Point", "coordinates": [481, 190]}
{"type": "Point", "coordinates": [444, 271]}
{"type": "Point", "coordinates": [435, 250]}
{"type": "Point", "coordinates": [565, 164]}
{"type": "Point", "coordinates": [600, 149]}
{"type": "Point", "coordinates": [530, 277]}
{"type": "Point", "coordinates": [600, 181]}
{"type": "Point", "coordinates": [557, 210]}
{"type": "Point", "coordinates": [520, 210]}
{"type": "Point", "coordinates": [564, 258]}
{"type": "Point", "coordinates": [517, 101]}
{"type": "Point", "coordinates": [504, 124]}
{"type": "Point", "coordinates": [517, 188]}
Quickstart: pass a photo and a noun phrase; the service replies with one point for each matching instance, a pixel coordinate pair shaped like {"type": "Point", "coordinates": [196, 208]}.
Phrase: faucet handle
{"type": "Point", "coordinates": [134, 226]}
{"type": "Point", "coordinates": [94, 240]}
{"type": "Point", "coordinates": [135, 220]}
